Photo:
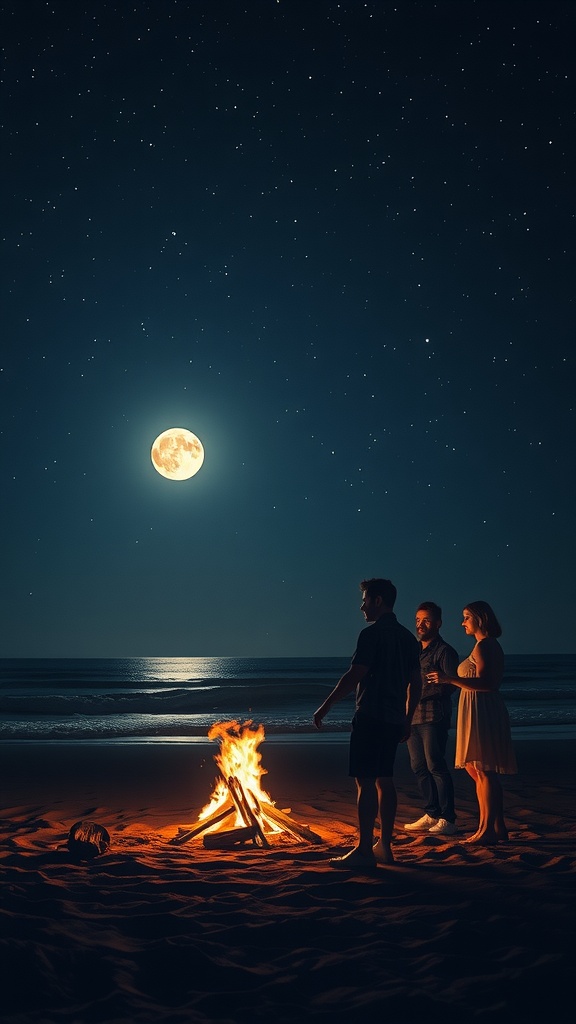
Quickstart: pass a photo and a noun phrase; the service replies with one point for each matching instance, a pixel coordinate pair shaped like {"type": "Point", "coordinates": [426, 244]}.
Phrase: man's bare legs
{"type": "Point", "coordinates": [387, 804]}
{"type": "Point", "coordinates": [367, 807]}
{"type": "Point", "coordinates": [362, 855]}
{"type": "Point", "coordinates": [377, 797]}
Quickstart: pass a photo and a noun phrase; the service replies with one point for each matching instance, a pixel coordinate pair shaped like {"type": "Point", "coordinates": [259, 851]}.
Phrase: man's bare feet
{"type": "Point", "coordinates": [383, 853]}
{"type": "Point", "coordinates": [354, 861]}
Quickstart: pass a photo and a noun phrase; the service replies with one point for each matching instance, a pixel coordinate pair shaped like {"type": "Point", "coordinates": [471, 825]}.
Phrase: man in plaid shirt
{"type": "Point", "coordinates": [429, 733]}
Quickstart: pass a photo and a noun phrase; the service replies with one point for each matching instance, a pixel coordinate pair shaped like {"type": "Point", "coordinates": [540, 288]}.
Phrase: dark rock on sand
{"type": "Point", "coordinates": [87, 840]}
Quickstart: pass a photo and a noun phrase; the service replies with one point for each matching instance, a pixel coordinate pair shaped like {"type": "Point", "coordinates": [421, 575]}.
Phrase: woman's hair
{"type": "Point", "coordinates": [485, 617]}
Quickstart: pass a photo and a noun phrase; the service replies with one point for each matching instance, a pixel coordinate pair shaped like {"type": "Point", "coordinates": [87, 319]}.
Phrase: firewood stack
{"type": "Point", "coordinates": [255, 816]}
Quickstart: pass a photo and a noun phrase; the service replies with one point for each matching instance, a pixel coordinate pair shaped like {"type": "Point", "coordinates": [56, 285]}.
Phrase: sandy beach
{"type": "Point", "coordinates": [152, 931]}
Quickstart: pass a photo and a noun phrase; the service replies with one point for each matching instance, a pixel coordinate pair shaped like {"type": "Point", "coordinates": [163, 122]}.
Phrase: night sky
{"type": "Point", "coordinates": [336, 242]}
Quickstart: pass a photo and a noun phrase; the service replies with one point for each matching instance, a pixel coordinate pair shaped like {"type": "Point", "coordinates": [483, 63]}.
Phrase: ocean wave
{"type": "Point", "coordinates": [128, 726]}
{"type": "Point", "coordinates": [124, 726]}
{"type": "Point", "coordinates": [307, 695]}
{"type": "Point", "coordinates": [148, 702]}
{"type": "Point", "coordinates": [141, 672]}
{"type": "Point", "coordinates": [183, 700]}
{"type": "Point", "coordinates": [169, 697]}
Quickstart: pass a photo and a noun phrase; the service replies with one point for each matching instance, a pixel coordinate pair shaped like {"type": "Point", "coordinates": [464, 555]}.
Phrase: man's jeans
{"type": "Point", "coordinates": [427, 746]}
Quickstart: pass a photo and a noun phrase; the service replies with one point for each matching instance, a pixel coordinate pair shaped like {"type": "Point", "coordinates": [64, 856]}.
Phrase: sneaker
{"type": "Point", "coordinates": [423, 824]}
{"type": "Point", "coordinates": [443, 828]}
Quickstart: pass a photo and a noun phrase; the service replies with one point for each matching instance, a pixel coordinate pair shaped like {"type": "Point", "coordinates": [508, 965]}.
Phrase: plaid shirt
{"type": "Point", "coordinates": [436, 700]}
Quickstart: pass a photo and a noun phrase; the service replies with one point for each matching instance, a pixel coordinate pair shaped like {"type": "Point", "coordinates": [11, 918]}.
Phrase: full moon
{"type": "Point", "coordinates": [177, 453]}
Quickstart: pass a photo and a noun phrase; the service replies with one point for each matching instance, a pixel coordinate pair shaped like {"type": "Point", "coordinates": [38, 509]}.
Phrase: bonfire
{"type": "Point", "coordinates": [239, 810]}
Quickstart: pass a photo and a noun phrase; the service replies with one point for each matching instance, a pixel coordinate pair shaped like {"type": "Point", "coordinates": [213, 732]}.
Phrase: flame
{"type": "Point", "coordinates": [238, 790]}
{"type": "Point", "coordinates": [238, 757]}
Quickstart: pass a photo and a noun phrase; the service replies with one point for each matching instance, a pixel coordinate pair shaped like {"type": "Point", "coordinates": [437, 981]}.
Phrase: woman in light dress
{"type": "Point", "coordinates": [483, 739]}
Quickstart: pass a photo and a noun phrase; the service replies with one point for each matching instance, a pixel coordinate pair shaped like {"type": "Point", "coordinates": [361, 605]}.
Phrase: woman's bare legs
{"type": "Point", "coordinates": [497, 805]}
{"type": "Point", "coordinates": [491, 824]}
{"type": "Point", "coordinates": [474, 776]}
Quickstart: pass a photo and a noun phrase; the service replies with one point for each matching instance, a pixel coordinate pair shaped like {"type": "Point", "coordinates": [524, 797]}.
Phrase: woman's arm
{"type": "Point", "coordinates": [489, 661]}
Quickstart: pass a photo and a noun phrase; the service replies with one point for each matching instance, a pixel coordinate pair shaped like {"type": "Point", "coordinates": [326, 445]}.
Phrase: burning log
{"type": "Point", "coordinates": [298, 831]}
{"type": "Point", "coordinates": [185, 835]}
{"type": "Point", "coordinates": [239, 804]}
{"type": "Point", "coordinates": [232, 837]}
{"type": "Point", "coordinates": [251, 819]}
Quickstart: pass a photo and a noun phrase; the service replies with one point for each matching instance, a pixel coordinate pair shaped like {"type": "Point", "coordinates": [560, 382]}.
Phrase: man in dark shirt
{"type": "Point", "coordinates": [430, 724]}
{"type": "Point", "coordinates": [385, 672]}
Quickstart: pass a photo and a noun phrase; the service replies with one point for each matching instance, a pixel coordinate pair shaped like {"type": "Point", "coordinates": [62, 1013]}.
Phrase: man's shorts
{"type": "Point", "coordinates": [373, 746]}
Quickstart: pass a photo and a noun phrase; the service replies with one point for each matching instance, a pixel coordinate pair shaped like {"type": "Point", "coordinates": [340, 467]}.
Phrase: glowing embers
{"type": "Point", "coordinates": [239, 810]}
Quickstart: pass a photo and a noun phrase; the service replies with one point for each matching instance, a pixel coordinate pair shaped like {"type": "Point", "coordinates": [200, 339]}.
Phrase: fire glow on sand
{"type": "Point", "coordinates": [238, 793]}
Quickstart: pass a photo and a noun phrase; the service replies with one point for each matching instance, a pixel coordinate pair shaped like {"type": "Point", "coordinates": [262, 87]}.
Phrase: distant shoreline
{"type": "Point", "coordinates": [236, 657]}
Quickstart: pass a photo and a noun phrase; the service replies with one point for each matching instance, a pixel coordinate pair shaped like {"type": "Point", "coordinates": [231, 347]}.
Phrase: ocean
{"type": "Point", "coordinates": [178, 699]}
